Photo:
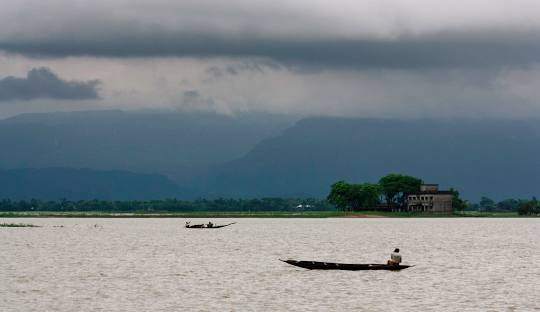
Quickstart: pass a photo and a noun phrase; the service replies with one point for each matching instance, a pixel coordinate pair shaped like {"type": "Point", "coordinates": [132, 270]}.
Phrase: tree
{"type": "Point", "coordinates": [364, 196]}
{"type": "Point", "coordinates": [509, 204]}
{"type": "Point", "coordinates": [339, 195]}
{"type": "Point", "coordinates": [347, 196]}
{"type": "Point", "coordinates": [372, 195]}
{"type": "Point", "coordinates": [524, 207]}
{"type": "Point", "coordinates": [458, 204]}
{"type": "Point", "coordinates": [487, 204]}
{"type": "Point", "coordinates": [529, 207]}
{"type": "Point", "coordinates": [395, 188]}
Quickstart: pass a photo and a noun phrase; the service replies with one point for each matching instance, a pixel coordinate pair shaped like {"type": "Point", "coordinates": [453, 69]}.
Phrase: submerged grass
{"type": "Point", "coordinates": [17, 225]}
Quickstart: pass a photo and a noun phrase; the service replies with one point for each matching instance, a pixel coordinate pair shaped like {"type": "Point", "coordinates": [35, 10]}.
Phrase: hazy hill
{"type": "Point", "coordinates": [211, 155]}
{"type": "Point", "coordinates": [59, 183]}
{"type": "Point", "coordinates": [177, 144]}
{"type": "Point", "coordinates": [480, 157]}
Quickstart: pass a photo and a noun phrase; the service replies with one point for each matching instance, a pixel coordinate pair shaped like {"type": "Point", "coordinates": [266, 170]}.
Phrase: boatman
{"type": "Point", "coordinates": [395, 258]}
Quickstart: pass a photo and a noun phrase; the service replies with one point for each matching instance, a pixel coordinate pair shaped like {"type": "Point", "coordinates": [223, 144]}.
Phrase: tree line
{"type": "Point", "coordinates": [389, 193]}
{"type": "Point", "coordinates": [169, 205]}
{"type": "Point", "coordinates": [521, 206]}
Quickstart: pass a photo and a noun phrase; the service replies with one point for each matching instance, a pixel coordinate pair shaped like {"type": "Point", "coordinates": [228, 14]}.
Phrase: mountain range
{"type": "Point", "coordinates": [150, 154]}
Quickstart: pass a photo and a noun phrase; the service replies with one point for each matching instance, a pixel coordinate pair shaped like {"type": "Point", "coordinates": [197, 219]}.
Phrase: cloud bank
{"type": "Point", "coordinates": [385, 58]}
{"type": "Point", "coordinates": [381, 34]}
{"type": "Point", "coordinates": [42, 83]}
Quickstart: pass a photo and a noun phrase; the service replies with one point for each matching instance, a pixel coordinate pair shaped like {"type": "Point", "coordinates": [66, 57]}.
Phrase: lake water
{"type": "Point", "coordinates": [157, 265]}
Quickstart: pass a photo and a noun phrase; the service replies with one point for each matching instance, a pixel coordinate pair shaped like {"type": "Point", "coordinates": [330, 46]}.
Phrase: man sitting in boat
{"type": "Point", "coordinates": [210, 224]}
{"type": "Point", "coordinates": [395, 258]}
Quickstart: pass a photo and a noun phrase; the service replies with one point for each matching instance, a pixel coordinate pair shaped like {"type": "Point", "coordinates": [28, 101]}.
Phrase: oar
{"type": "Point", "coordinates": [228, 224]}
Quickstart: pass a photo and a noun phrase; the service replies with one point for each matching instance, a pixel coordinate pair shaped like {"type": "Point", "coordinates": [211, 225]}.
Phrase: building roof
{"type": "Point", "coordinates": [432, 193]}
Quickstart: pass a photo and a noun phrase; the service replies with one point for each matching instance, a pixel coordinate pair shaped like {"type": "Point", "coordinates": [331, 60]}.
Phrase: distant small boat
{"type": "Point", "coordinates": [316, 265]}
{"type": "Point", "coordinates": [206, 226]}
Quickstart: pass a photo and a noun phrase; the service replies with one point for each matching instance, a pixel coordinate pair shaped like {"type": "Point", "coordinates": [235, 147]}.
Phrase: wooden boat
{"type": "Point", "coordinates": [205, 226]}
{"type": "Point", "coordinates": [316, 265]}
{"type": "Point", "coordinates": [194, 226]}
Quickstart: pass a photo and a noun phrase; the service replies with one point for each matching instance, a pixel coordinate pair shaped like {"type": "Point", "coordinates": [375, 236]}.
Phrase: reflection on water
{"type": "Point", "coordinates": [158, 265]}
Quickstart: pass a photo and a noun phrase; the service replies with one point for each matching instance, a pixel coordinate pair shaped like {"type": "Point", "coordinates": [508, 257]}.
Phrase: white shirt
{"type": "Point", "coordinates": [395, 257]}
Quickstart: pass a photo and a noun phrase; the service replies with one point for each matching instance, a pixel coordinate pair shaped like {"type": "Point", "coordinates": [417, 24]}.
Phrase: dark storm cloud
{"type": "Point", "coordinates": [475, 49]}
{"type": "Point", "coordinates": [258, 66]}
{"type": "Point", "coordinates": [192, 99]}
{"type": "Point", "coordinates": [43, 83]}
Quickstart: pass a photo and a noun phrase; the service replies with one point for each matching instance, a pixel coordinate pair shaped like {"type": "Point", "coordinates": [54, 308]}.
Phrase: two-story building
{"type": "Point", "coordinates": [430, 199]}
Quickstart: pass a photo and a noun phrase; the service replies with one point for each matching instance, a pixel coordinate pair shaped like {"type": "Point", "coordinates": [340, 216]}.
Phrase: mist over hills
{"type": "Point", "coordinates": [257, 155]}
{"type": "Point", "coordinates": [176, 144]}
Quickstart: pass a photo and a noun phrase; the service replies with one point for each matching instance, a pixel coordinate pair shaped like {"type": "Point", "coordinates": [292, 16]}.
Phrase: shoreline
{"type": "Point", "coordinates": [258, 214]}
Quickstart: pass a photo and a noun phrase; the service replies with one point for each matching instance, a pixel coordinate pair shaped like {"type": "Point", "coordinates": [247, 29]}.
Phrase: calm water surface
{"type": "Point", "coordinates": [157, 265]}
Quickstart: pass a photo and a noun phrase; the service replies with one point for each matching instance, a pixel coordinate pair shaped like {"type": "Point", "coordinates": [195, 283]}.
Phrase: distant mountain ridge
{"type": "Point", "coordinates": [497, 158]}
{"type": "Point", "coordinates": [177, 144]}
{"type": "Point", "coordinates": [260, 155]}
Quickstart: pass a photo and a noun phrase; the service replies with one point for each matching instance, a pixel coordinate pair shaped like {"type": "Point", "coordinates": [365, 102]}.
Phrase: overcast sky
{"type": "Point", "coordinates": [377, 58]}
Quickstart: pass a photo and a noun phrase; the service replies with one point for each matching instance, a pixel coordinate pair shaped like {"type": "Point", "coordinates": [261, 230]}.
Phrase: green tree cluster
{"type": "Point", "coordinates": [352, 197]}
{"type": "Point", "coordinates": [458, 204]}
{"type": "Point", "coordinates": [522, 206]}
{"type": "Point", "coordinates": [393, 188]}
{"type": "Point", "coordinates": [529, 207]}
{"type": "Point", "coordinates": [487, 204]}
{"type": "Point", "coordinates": [509, 204]}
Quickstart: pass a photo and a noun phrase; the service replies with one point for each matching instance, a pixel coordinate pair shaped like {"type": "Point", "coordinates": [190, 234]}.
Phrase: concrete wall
{"type": "Point", "coordinates": [430, 202]}
{"type": "Point", "coordinates": [442, 203]}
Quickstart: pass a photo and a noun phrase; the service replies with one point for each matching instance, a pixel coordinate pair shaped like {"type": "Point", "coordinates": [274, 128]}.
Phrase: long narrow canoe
{"type": "Point", "coordinates": [316, 265]}
{"type": "Point", "coordinates": [204, 226]}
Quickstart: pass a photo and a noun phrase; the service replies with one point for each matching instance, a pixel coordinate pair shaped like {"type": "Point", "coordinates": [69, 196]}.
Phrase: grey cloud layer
{"type": "Point", "coordinates": [389, 58]}
{"type": "Point", "coordinates": [480, 49]}
{"type": "Point", "coordinates": [231, 86]}
{"type": "Point", "coordinates": [354, 34]}
{"type": "Point", "coordinates": [42, 83]}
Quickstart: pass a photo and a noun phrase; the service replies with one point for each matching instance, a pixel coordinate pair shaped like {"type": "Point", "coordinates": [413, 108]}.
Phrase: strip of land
{"type": "Point", "coordinates": [254, 214]}
{"type": "Point", "coordinates": [17, 225]}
